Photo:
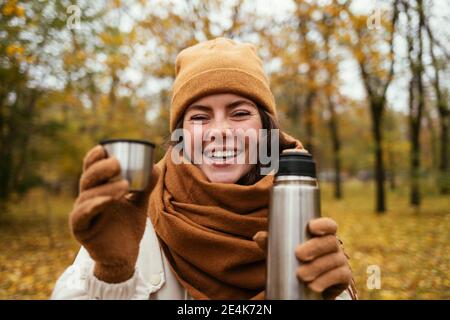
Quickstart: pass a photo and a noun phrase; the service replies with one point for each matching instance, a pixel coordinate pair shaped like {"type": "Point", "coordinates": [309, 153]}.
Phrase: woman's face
{"type": "Point", "coordinates": [212, 123]}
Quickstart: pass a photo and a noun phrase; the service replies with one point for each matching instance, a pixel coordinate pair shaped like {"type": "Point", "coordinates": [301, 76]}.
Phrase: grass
{"type": "Point", "coordinates": [410, 247]}
{"type": "Point", "coordinates": [35, 246]}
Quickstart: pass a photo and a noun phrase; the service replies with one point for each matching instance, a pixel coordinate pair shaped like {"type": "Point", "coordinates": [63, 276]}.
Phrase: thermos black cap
{"type": "Point", "coordinates": [295, 163]}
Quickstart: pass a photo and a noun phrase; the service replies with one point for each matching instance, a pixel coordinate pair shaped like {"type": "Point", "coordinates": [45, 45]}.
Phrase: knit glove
{"type": "Point", "coordinates": [324, 265]}
{"type": "Point", "coordinates": [108, 220]}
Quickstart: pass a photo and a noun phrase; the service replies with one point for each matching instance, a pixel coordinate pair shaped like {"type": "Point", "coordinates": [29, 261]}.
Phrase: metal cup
{"type": "Point", "coordinates": [135, 158]}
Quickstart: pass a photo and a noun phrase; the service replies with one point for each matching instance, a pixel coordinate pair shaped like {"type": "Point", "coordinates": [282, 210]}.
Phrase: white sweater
{"type": "Point", "coordinates": [153, 279]}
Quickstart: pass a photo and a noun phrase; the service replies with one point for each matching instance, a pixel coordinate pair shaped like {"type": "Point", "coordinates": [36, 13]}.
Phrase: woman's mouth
{"type": "Point", "coordinates": [222, 157]}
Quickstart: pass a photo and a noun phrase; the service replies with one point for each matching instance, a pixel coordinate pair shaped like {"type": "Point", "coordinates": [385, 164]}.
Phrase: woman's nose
{"type": "Point", "coordinates": [220, 128]}
{"type": "Point", "coordinates": [221, 124]}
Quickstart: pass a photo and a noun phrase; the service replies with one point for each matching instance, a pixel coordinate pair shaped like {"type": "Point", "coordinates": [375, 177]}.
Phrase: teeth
{"type": "Point", "coordinates": [223, 154]}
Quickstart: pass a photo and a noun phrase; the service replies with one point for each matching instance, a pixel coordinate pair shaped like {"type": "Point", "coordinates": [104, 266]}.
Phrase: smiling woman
{"type": "Point", "coordinates": [203, 215]}
{"type": "Point", "coordinates": [217, 115]}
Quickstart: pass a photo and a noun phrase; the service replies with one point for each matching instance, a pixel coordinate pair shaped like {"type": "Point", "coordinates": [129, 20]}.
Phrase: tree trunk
{"type": "Point", "coordinates": [333, 126]}
{"type": "Point", "coordinates": [416, 106]}
{"type": "Point", "coordinates": [414, 141]}
{"type": "Point", "coordinates": [415, 166]}
{"type": "Point", "coordinates": [392, 170]}
{"type": "Point", "coordinates": [434, 153]}
{"type": "Point", "coordinates": [444, 167]}
{"type": "Point", "coordinates": [377, 114]}
{"type": "Point", "coordinates": [444, 118]}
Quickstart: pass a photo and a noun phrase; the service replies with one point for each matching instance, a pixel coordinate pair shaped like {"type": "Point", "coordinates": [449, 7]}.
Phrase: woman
{"type": "Point", "coordinates": [198, 230]}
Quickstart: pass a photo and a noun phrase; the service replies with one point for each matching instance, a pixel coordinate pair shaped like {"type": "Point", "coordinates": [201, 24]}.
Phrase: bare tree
{"type": "Point", "coordinates": [416, 96]}
{"type": "Point", "coordinates": [443, 110]}
{"type": "Point", "coordinates": [376, 87]}
{"type": "Point", "coordinates": [330, 91]}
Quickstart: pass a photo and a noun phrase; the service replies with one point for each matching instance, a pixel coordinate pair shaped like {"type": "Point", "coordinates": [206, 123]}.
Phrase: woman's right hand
{"type": "Point", "coordinates": [108, 220]}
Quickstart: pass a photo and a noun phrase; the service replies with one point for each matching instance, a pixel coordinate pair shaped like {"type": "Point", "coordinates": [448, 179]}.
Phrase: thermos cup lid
{"type": "Point", "coordinates": [294, 163]}
{"type": "Point", "coordinates": [106, 141]}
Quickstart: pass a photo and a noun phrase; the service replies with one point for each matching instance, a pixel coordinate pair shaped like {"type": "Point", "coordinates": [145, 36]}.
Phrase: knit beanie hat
{"type": "Point", "coordinates": [219, 66]}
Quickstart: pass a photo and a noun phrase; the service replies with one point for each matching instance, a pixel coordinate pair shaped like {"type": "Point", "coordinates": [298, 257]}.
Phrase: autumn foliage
{"type": "Point", "coordinates": [365, 88]}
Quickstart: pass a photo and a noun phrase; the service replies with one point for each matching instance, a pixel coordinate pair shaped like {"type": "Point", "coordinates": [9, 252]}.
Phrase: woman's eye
{"type": "Point", "coordinates": [198, 118]}
{"type": "Point", "coordinates": [241, 114]}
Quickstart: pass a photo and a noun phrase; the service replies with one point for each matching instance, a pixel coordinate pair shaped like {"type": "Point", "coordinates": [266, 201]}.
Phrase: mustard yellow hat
{"type": "Point", "coordinates": [219, 66]}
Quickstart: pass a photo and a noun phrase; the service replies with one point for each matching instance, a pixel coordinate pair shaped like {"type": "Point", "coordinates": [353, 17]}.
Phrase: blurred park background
{"type": "Point", "coordinates": [364, 84]}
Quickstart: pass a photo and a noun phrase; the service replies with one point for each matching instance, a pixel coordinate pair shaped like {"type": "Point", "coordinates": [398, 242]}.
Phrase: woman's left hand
{"type": "Point", "coordinates": [324, 266]}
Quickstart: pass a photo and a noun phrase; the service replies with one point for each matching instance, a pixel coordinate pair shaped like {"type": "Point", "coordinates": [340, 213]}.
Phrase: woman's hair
{"type": "Point", "coordinates": [269, 123]}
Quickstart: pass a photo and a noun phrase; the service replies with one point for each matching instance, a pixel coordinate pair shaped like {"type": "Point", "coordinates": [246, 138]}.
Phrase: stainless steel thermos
{"type": "Point", "coordinates": [295, 200]}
